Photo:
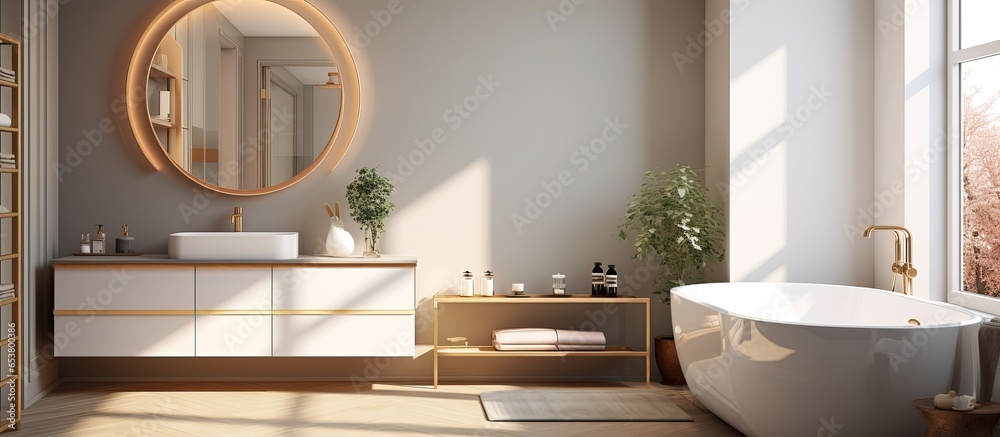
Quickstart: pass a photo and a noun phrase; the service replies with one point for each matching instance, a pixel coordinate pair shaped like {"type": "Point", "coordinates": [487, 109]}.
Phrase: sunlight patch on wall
{"type": "Point", "coordinates": [449, 229]}
{"type": "Point", "coordinates": [762, 102]}
{"type": "Point", "coordinates": [760, 234]}
{"type": "Point", "coordinates": [759, 170]}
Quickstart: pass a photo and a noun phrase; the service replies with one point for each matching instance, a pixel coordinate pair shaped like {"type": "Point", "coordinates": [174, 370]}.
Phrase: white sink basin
{"type": "Point", "coordinates": [233, 245]}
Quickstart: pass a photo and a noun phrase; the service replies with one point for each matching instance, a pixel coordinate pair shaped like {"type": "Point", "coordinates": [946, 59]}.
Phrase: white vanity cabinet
{"type": "Point", "coordinates": [124, 310]}
{"type": "Point", "coordinates": [232, 311]}
{"type": "Point", "coordinates": [343, 311]}
{"type": "Point", "coordinates": [311, 306]}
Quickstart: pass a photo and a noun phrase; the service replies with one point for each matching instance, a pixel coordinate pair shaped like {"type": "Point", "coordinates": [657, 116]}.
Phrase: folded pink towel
{"type": "Point", "coordinates": [565, 336]}
{"type": "Point", "coordinates": [580, 347]}
{"type": "Point", "coordinates": [525, 336]}
{"type": "Point", "coordinates": [525, 347]}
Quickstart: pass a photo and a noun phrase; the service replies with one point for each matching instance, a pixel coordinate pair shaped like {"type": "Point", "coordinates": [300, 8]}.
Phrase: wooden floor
{"type": "Point", "coordinates": [316, 409]}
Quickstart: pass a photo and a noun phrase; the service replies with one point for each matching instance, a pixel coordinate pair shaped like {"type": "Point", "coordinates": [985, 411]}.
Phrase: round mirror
{"type": "Point", "coordinates": [243, 97]}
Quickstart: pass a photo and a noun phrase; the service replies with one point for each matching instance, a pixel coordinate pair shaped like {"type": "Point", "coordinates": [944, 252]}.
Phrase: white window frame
{"type": "Point", "coordinates": [956, 56]}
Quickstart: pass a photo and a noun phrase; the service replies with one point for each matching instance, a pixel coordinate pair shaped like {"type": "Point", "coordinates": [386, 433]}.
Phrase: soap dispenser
{"type": "Point", "coordinates": [125, 243]}
{"type": "Point", "coordinates": [97, 243]}
{"type": "Point", "coordinates": [597, 287]}
{"type": "Point", "coordinates": [611, 281]}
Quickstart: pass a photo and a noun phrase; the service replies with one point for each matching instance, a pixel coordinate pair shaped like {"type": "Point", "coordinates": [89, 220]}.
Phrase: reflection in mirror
{"type": "Point", "coordinates": [291, 138]}
{"type": "Point", "coordinates": [245, 95]}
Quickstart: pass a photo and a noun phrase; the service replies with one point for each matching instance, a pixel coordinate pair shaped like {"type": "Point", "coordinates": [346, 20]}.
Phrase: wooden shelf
{"type": "Point", "coordinates": [158, 72]}
{"type": "Point", "coordinates": [169, 132]}
{"type": "Point", "coordinates": [204, 155]}
{"type": "Point", "coordinates": [489, 351]}
{"type": "Point", "coordinates": [14, 347]}
{"type": "Point", "coordinates": [159, 122]}
{"type": "Point", "coordinates": [537, 298]}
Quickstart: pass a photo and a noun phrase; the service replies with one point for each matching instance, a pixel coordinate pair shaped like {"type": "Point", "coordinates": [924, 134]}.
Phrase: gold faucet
{"type": "Point", "coordinates": [903, 265]}
{"type": "Point", "coordinates": [237, 219]}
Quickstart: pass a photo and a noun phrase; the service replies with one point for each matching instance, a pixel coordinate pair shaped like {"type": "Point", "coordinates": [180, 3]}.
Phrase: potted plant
{"type": "Point", "coordinates": [674, 223]}
{"type": "Point", "coordinates": [368, 196]}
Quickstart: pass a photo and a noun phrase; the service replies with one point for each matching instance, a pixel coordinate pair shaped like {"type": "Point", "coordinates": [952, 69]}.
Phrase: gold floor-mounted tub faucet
{"type": "Point", "coordinates": [903, 265]}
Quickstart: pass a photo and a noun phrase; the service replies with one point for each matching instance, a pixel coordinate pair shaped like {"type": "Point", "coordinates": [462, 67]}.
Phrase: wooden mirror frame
{"type": "Point", "coordinates": [142, 58]}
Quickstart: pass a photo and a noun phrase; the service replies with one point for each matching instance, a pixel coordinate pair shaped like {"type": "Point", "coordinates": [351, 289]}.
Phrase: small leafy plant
{"type": "Point", "coordinates": [368, 196]}
{"type": "Point", "coordinates": [674, 223]}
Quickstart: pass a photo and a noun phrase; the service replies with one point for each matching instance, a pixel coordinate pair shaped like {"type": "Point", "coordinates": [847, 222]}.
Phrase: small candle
{"type": "Point", "coordinates": [517, 288]}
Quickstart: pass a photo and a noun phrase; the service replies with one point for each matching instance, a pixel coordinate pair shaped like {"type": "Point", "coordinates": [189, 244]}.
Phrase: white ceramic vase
{"type": "Point", "coordinates": [339, 242]}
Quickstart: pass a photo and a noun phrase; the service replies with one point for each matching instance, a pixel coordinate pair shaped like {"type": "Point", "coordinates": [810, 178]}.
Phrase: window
{"type": "Point", "coordinates": [975, 165]}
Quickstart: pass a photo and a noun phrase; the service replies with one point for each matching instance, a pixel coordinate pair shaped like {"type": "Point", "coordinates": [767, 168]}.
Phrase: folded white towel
{"type": "Point", "coordinates": [525, 347]}
{"type": "Point", "coordinates": [8, 160]}
{"type": "Point", "coordinates": [581, 347]}
{"type": "Point", "coordinates": [5, 287]}
{"type": "Point", "coordinates": [7, 155]}
{"type": "Point", "coordinates": [525, 336]}
{"type": "Point", "coordinates": [6, 70]}
{"type": "Point", "coordinates": [7, 165]}
{"type": "Point", "coordinates": [566, 336]}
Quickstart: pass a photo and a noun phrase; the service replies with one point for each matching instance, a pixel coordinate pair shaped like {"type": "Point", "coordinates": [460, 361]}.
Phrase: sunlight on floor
{"type": "Point", "coordinates": [312, 408]}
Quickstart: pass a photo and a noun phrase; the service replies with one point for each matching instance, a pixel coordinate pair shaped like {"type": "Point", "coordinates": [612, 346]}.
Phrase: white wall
{"type": "Point", "coordinates": [800, 138]}
{"type": "Point", "coordinates": [912, 139]}
{"type": "Point", "coordinates": [549, 77]}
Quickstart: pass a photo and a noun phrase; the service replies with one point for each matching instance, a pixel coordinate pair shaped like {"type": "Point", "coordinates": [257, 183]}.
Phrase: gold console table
{"type": "Point", "coordinates": [489, 351]}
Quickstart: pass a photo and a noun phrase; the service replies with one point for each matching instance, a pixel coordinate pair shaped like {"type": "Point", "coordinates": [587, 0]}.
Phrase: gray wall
{"type": "Point", "coordinates": [559, 78]}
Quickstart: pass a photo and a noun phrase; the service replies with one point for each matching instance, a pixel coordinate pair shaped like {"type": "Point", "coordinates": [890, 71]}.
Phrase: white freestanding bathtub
{"type": "Point", "coordinates": [775, 359]}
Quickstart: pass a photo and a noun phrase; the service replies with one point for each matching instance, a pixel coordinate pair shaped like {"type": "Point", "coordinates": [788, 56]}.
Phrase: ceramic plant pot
{"type": "Point", "coordinates": [665, 351]}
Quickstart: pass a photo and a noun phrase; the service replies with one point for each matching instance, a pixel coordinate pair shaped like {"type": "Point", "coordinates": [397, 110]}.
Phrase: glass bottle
{"type": "Point", "coordinates": [467, 287]}
{"type": "Point", "coordinates": [597, 281]}
{"type": "Point", "coordinates": [611, 281]}
{"type": "Point", "coordinates": [487, 288]}
{"type": "Point", "coordinates": [559, 284]}
{"type": "Point", "coordinates": [84, 243]}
